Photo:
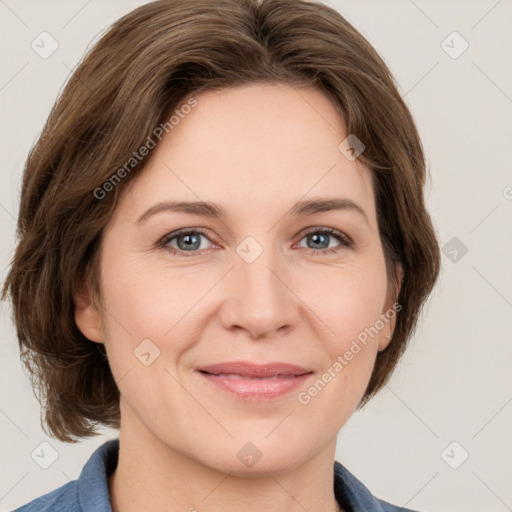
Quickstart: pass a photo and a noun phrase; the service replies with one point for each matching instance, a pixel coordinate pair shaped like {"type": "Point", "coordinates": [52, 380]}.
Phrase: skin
{"type": "Point", "coordinates": [255, 150]}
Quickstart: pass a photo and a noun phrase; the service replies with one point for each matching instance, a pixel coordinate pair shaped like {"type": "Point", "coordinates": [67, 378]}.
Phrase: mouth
{"type": "Point", "coordinates": [249, 381]}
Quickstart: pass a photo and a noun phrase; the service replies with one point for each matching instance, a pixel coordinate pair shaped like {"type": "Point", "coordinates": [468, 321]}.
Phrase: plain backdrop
{"type": "Point", "coordinates": [438, 437]}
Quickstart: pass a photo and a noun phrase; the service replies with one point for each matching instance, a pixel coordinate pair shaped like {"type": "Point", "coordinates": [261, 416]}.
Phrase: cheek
{"type": "Point", "coordinates": [144, 303]}
{"type": "Point", "coordinates": [349, 306]}
{"type": "Point", "coordinates": [347, 299]}
{"type": "Point", "coordinates": [150, 302]}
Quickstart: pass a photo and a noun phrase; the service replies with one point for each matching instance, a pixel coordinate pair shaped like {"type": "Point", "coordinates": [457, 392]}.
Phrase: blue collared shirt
{"type": "Point", "coordinates": [90, 492]}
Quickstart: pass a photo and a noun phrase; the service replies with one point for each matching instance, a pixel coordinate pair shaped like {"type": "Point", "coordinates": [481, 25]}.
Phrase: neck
{"type": "Point", "coordinates": [153, 476]}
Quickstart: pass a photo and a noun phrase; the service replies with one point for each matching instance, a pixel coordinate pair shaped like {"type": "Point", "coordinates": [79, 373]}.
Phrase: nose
{"type": "Point", "coordinates": [259, 298]}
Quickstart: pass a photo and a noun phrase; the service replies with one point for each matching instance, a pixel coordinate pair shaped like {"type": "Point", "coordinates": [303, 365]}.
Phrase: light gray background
{"type": "Point", "coordinates": [455, 382]}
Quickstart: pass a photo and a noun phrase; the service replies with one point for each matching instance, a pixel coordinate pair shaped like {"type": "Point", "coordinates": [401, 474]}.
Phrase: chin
{"type": "Point", "coordinates": [260, 469]}
{"type": "Point", "coordinates": [258, 458]}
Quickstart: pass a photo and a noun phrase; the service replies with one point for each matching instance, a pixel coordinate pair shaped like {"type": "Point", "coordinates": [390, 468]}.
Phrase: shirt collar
{"type": "Point", "coordinates": [352, 494]}
{"type": "Point", "coordinates": [93, 481]}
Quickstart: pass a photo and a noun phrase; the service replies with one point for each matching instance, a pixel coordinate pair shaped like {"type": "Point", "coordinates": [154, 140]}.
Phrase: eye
{"type": "Point", "coordinates": [188, 242]}
{"type": "Point", "coordinates": [321, 239]}
{"type": "Point", "coordinates": [184, 241]}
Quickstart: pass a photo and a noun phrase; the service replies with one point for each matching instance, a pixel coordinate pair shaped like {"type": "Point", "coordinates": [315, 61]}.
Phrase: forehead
{"type": "Point", "coordinates": [253, 147]}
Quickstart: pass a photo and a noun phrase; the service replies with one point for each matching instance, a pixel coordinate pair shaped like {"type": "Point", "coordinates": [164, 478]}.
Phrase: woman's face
{"type": "Point", "coordinates": [259, 283]}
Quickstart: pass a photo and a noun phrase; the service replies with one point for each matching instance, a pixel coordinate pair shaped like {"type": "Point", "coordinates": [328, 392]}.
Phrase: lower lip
{"type": "Point", "coordinates": [256, 389]}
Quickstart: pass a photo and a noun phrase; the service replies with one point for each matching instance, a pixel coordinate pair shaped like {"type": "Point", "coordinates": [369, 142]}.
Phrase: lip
{"type": "Point", "coordinates": [248, 369]}
{"type": "Point", "coordinates": [249, 381]}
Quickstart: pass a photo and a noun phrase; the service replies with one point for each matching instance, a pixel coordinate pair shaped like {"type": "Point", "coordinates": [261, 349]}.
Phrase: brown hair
{"type": "Point", "coordinates": [140, 70]}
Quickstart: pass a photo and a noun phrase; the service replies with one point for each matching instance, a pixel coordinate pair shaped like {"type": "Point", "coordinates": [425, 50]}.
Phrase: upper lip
{"type": "Point", "coordinates": [248, 369]}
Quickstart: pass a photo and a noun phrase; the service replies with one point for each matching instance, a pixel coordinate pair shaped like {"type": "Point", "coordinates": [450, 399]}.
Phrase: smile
{"type": "Point", "coordinates": [249, 381]}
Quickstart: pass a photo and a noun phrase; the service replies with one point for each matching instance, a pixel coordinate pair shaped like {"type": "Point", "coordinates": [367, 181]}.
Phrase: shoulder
{"type": "Point", "coordinates": [89, 493]}
{"type": "Point", "coordinates": [355, 496]}
{"type": "Point", "coordinates": [388, 507]}
{"type": "Point", "coordinates": [63, 498]}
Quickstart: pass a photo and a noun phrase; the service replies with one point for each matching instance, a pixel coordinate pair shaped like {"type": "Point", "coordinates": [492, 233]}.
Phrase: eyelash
{"type": "Point", "coordinates": [345, 241]}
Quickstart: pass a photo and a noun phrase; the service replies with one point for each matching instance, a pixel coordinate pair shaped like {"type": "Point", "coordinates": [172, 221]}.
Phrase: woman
{"type": "Point", "coordinates": [223, 251]}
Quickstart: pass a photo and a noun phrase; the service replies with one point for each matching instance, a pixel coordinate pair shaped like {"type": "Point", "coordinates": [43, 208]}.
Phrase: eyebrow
{"type": "Point", "coordinates": [208, 209]}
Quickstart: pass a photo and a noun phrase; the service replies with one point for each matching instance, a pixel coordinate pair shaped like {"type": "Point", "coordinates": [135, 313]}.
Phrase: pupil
{"type": "Point", "coordinates": [317, 236]}
{"type": "Point", "coordinates": [189, 241]}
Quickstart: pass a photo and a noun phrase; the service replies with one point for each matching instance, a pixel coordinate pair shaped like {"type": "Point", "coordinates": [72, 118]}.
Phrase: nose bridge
{"type": "Point", "coordinates": [260, 301]}
{"type": "Point", "coordinates": [256, 274]}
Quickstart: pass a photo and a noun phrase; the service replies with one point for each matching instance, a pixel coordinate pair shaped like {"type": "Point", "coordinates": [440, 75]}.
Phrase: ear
{"type": "Point", "coordinates": [88, 316]}
{"type": "Point", "coordinates": [390, 312]}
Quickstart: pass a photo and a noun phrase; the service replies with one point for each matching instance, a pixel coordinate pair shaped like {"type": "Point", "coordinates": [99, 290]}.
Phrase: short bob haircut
{"type": "Point", "coordinates": [131, 81]}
